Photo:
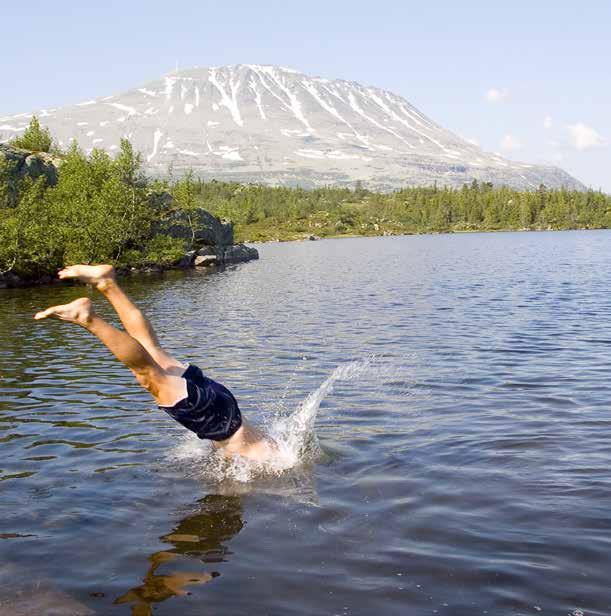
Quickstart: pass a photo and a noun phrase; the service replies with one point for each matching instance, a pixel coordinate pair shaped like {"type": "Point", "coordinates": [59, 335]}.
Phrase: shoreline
{"type": "Point", "coordinates": [316, 238]}
{"type": "Point", "coordinates": [190, 261]}
{"type": "Point", "coordinates": [13, 281]}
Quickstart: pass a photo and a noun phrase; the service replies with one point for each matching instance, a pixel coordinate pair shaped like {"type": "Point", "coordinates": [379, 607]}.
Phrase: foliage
{"type": "Point", "coordinates": [264, 213]}
{"type": "Point", "coordinates": [101, 210]}
{"type": "Point", "coordinates": [183, 192]}
{"type": "Point", "coordinates": [35, 138]}
{"type": "Point", "coordinates": [98, 211]}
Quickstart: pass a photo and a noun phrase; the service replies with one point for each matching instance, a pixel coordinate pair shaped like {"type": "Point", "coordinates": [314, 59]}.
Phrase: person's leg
{"type": "Point", "coordinates": [137, 325]}
{"type": "Point", "coordinates": [166, 388]}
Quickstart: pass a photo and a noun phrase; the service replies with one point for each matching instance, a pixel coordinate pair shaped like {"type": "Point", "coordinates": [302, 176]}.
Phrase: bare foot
{"type": "Point", "coordinates": [79, 311]}
{"type": "Point", "coordinates": [100, 276]}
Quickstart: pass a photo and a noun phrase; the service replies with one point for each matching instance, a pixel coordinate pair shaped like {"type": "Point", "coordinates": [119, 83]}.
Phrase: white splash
{"type": "Point", "coordinates": [294, 435]}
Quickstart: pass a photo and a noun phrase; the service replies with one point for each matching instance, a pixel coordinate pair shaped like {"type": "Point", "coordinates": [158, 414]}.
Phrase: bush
{"type": "Point", "coordinates": [165, 250]}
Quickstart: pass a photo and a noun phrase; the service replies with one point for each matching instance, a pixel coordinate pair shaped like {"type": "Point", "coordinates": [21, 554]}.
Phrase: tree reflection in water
{"type": "Point", "coordinates": [201, 535]}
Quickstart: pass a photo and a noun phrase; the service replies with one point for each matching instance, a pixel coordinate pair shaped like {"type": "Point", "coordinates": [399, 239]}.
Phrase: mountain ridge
{"type": "Point", "coordinates": [276, 125]}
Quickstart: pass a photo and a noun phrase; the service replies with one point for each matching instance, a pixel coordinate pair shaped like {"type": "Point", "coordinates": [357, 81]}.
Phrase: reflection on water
{"type": "Point", "coordinates": [201, 536]}
{"type": "Point", "coordinates": [451, 437]}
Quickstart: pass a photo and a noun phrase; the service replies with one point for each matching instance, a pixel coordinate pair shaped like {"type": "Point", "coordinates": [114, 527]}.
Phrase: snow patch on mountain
{"type": "Point", "coordinates": [260, 123]}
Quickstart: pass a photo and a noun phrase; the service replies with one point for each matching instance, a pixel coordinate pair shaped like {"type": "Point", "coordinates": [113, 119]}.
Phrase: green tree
{"type": "Point", "coordinates": [35, 138]}
{"type": "Point", "coordinates": [185, 197]}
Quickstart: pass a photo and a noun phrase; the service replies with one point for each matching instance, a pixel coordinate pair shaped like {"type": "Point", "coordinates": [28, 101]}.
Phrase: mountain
{"type": "Point", "coordinates": [252, 123]}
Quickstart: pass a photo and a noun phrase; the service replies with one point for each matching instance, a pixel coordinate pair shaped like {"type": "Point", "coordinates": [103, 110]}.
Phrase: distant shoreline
{"type": "Point", "coordinates": [415, 233]}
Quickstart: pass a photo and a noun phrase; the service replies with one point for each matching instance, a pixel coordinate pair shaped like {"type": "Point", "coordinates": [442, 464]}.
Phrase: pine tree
{"type": "Point", "coordinates": [35, 138]}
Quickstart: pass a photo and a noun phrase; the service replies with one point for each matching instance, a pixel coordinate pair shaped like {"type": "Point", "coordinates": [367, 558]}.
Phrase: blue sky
{"type": "Point", "coordinates": [527, 79]}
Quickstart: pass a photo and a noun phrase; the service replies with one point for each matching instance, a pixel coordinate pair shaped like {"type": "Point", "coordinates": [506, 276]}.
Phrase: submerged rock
{"type": "Point", "coordinates": [22, 593]}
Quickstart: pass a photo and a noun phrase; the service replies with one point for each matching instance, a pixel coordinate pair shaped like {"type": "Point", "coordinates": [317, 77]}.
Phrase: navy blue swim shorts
{"type": "Point", "coordinates": [209, 410]}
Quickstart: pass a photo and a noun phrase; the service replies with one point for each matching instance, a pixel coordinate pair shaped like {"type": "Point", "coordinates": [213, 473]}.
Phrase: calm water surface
{"type": "Point", "coordinates": [464, 467]}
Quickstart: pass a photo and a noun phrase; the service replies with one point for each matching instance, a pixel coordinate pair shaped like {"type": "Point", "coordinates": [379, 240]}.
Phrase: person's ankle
{"type": "Point", "coordinates": [105, 284]}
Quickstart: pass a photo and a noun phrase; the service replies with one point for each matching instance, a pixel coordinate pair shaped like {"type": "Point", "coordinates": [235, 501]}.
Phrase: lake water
{"type": "Point", "coordinates": [459, 462]}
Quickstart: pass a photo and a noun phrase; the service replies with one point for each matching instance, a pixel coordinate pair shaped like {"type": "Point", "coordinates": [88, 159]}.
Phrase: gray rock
{"type": "Point", "coordinates": [161, 201]}
{"type": "Point", "coordinates": [239, 253]}
{"type": "Point", "coordinates": [188, 259]}
{"type": "Point", "coordinates": [10, 280]}
{"type": "Point", "coordinates": [207, 251]}
{"type": "Point", "coordinates": [37, 165]}
{"type": "Point", "coordinates": [22, 163]}
{"type": "Point", "coordinates": [199, 229]}
{"type": "Point", "coordinates": [206, 261]}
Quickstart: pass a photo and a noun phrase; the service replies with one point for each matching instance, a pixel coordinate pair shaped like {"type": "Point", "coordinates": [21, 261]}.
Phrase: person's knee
{"type": "Point", "coordinates": [149, 378]}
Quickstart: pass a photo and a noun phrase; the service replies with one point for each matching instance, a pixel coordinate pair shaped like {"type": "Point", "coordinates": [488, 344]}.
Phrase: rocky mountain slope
{"type": "Point", "coordinates": [253, 123]}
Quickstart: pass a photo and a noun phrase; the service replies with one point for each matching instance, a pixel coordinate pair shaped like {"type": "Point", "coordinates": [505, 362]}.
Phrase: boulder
{"type": "Point", "coordinates": [23, 163]}
{"type": "Point", "coordinates": [221, 255]}
{"type": "Point", "coordinates": [239, 253]}
{"type": "Point", "coordinates": [208, 251]}
{"type": "Point", "coordinates": [10, 280]}
{"type": "Point", "coordinates": [206, 261]}
{"type": "Point", "coordinates": [188, 259]}
{"type": "Point", "coordinates": [199, 228]}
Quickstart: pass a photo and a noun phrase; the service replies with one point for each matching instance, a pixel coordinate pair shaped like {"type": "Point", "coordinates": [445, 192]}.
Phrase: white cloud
{"type": "Point", "coordinates": [547, 122]}
{"type": "Point", "coordinates": [509, 143]}
{"type": "Point", "coordinates": [494, 95]}
{"type": "Point", "coordinates": [584, 137]}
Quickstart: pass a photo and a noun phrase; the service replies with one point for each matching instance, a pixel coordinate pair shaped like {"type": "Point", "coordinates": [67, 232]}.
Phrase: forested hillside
{"type": "Point", "coordinates": [101, 208]}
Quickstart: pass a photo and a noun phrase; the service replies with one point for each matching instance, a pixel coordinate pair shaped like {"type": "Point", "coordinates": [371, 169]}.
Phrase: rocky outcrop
{"type": "Point", "coordinates": [224, 255]}
{"type": "Point", "coordinates": [210, 238]}
{"type": "Point", "coordinates": [199, 228]}
{"type": "Point", "coordinates": [23, 163]}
